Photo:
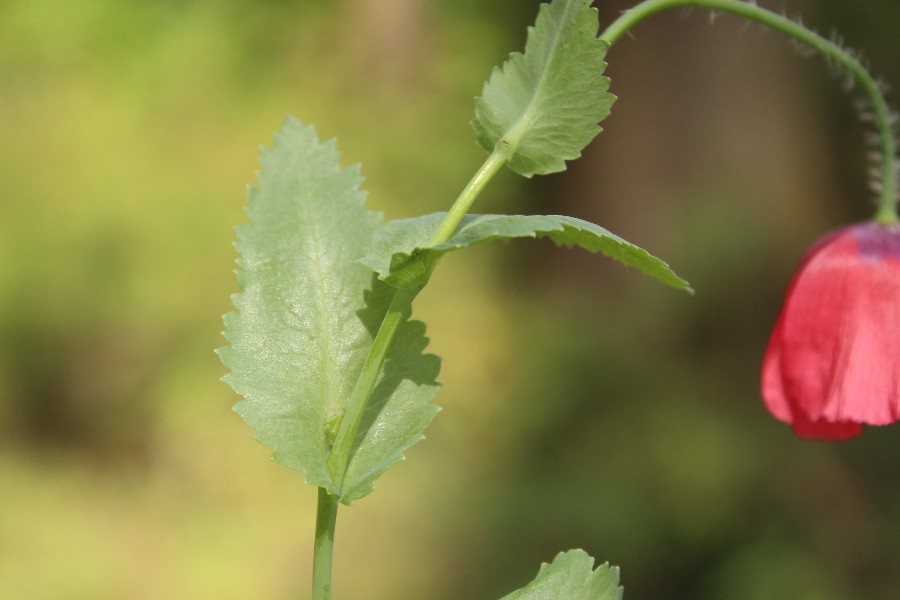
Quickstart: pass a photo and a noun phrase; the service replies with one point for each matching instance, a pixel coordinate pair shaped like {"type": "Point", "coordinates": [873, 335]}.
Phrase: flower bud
{"type": "Point", "coordinates": [833, 362]}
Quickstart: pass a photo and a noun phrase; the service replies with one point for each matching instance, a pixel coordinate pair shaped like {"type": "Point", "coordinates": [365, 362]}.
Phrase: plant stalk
{"type": "Point", "coordinates": [326, 518]}
{"type": "Point", "coordinates": [398, 311]}
{"type": "Point", "coordinates": [882, 118]}
{"type": "Point", "coordinates": [470, 193]}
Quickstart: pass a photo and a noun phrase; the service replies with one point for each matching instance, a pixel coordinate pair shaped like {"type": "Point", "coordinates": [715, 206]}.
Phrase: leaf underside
{"type": "Point", "coordinates": [571, 576]}
{"type": "Point", "coordinates": [306, 316]}
{"type": "Point", "coordinates": [399, 408]}
{"type": "Point", "coordinates": [544, 105]}
{"type": "Point", "coordinates": [400, 246]}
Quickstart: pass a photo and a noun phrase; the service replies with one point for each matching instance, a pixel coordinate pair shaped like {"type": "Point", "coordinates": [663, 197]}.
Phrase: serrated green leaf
{"type": "Point", "coordinates": [544, 105]}
{"type": "Point", "coordinates": [307, 314]}
{"type": "Point", "coordinates": [399, 245]}
{"type": "Point", "coordinates": [295, 340]}
{"type": "Point", "coordinates": [571, 576]}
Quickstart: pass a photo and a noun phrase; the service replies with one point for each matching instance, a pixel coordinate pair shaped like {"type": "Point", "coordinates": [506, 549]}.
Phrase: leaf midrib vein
{"type": "Point", "coordinates": [325, 387]}
{"type": "Point", "coordinates": [526, 118]}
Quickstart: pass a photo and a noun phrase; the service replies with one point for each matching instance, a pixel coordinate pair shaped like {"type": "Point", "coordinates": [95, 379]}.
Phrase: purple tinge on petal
{"type": "Point", "coordinates": [878, 241]}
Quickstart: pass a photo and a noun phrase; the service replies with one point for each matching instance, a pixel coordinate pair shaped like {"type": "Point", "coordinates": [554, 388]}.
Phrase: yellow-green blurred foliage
{"type": "Point", "coordinates": [583, 406]}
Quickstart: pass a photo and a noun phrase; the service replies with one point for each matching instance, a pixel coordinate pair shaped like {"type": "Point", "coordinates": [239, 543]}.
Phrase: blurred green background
{"type": "Point", "coordinates": [584, 405]}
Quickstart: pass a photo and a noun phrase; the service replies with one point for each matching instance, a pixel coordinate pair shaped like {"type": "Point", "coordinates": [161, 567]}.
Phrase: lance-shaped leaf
{"type": "Point", "coordinates": [307, 313]}
{"type": "Point", "coordinates": [544, 105]}
{"type": "Point", "coordinates": [572, 576]}
{"type": "Point", "coordinates": [399, 251]}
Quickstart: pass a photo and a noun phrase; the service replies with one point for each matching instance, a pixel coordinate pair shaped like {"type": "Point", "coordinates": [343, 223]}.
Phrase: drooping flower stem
{"type": "Point", "coordinates": [326, 518]}
{"type": "Point", "coordinates": [881, 114]}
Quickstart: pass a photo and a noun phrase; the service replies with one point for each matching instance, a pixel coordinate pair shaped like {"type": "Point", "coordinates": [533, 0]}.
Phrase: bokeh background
{"type": "Point", "coordinates": [584, 405]}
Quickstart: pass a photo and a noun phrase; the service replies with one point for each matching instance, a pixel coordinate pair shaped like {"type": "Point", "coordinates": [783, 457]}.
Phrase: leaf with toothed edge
{"type": "Point", "coordinates": [306, 316]}
{"type": "Point", "coordinates": [400, 257]}
{"type": "Point", "coordinates": [544, 105]}
{"type": "Point", "coordinates": [571, 576]}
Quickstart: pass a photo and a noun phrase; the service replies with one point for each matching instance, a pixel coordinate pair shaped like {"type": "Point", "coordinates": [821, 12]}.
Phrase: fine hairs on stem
{"type": "Point", "coordinates": [883, 139]}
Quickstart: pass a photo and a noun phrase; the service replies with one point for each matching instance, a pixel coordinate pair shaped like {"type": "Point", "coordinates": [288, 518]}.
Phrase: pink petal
{"type": "Point", "coordinates": [832, 361]}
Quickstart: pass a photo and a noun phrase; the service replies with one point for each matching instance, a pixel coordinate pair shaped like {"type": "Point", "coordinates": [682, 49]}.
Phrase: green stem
{"type": "Point", "coordinates": [887, 143]}
{"type": "Point", "coordinates": [397, 313]}
{"type": "Point", "coordinates": [469, 194]}
{"type": "Point", "coordinates": [326, 517]}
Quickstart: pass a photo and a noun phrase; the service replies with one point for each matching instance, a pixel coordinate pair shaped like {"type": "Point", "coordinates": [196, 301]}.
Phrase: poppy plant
{"type": "Point", "coordinates": [833, 361]}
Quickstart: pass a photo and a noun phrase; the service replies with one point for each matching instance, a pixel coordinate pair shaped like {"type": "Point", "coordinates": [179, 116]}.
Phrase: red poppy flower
{"type": "Point", "coordinates": [833, 361]}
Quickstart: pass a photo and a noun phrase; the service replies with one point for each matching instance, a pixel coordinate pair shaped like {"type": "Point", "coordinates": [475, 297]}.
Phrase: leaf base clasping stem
{"type": "Point", "coordinates": [470, 193]}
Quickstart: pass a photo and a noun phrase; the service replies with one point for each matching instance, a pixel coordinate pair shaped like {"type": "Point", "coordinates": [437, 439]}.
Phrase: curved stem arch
{"type": "Point", "coordinates": [881, 114]}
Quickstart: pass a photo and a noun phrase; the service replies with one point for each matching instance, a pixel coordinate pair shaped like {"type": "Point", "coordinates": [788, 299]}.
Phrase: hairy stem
{"type": "Point", "coordinates": [326, 517]}
{"type": "Point", "coordinates": [887, 143]}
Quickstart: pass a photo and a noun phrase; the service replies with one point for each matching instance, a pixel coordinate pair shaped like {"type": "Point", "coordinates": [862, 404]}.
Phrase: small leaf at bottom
{"type": "Point", "coordinates": [571, 576]}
